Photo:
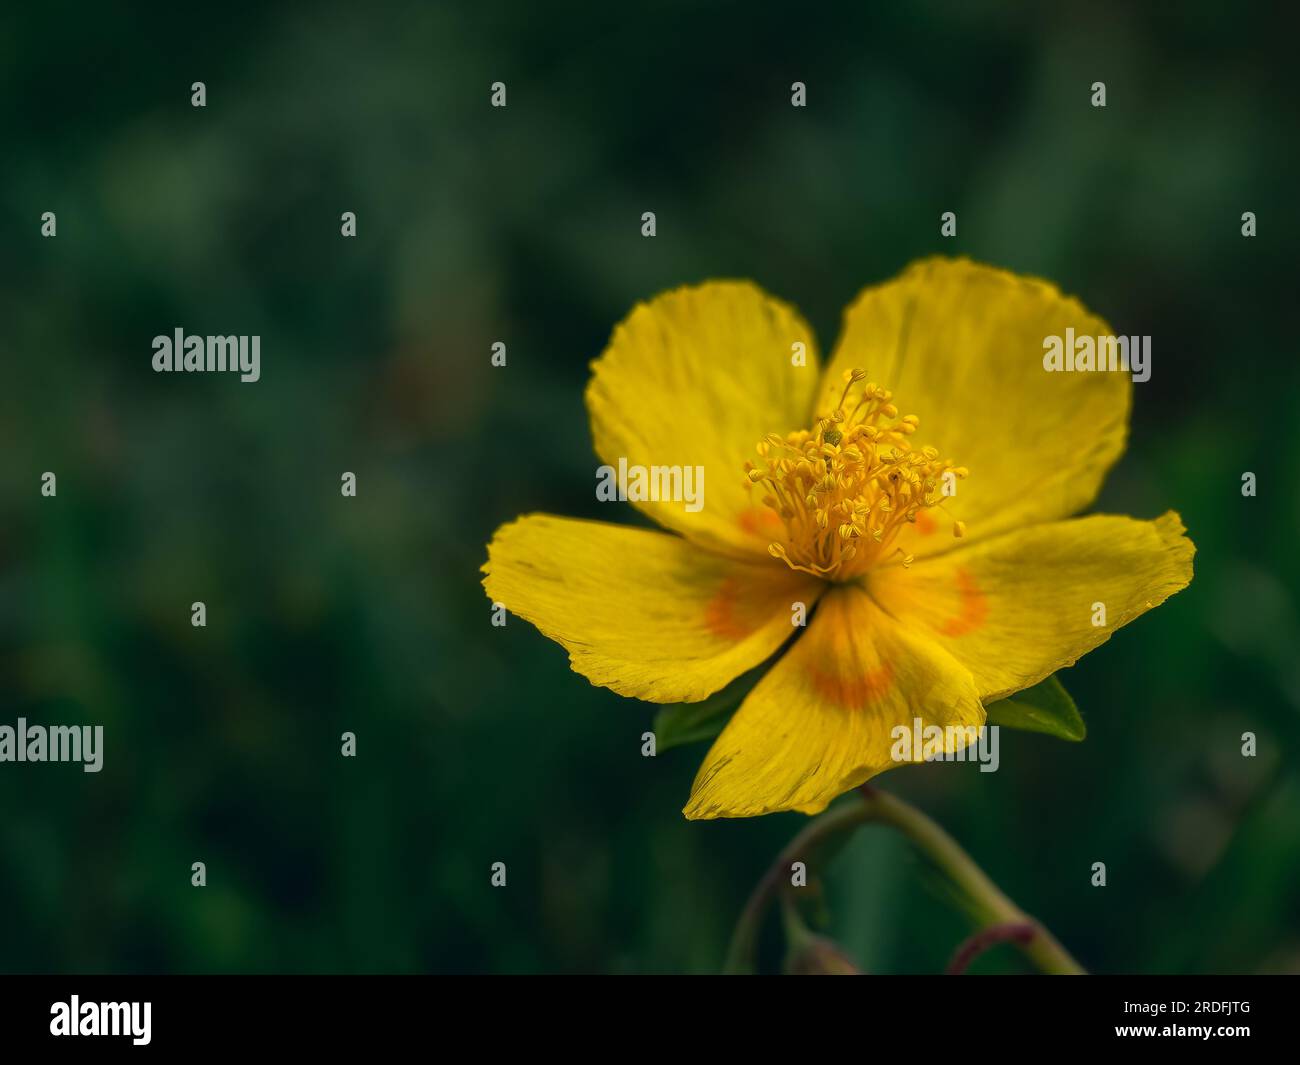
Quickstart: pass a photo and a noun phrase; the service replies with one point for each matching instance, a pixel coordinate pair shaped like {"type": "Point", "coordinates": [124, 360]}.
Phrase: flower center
{"type": "Point", "coordinates": [848, 487]}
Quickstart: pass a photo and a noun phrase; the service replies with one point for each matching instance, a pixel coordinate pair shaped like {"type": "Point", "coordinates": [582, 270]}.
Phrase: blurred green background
{"type": "Point", "coordinates": [477, 744]}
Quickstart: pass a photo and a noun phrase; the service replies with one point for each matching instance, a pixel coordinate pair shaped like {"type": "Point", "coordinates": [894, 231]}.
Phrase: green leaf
{"type": "Point", "coordinates": [678, 724]}
{"type": "Point", "coordinates": [1046, 707]}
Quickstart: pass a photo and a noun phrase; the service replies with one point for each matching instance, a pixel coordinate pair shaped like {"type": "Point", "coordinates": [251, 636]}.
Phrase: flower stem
{"type": "Point", "coordinates": [986, 938]}
{"type": "Point", "coordinates": [988, 905]}
{"type": "Point", "coordinates": [741, 955]}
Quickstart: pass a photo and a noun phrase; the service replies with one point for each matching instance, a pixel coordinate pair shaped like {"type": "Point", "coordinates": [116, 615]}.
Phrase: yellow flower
{"type": "Point", "coordinates": [837, 488]}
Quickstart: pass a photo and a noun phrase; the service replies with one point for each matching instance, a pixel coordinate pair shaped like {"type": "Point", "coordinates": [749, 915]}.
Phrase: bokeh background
{"type": "Point", "coordinates": [477, 744]}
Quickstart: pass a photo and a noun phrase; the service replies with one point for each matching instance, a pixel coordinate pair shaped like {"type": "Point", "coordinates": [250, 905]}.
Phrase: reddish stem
{"type": "Point", "coordinates": [1016, 932]}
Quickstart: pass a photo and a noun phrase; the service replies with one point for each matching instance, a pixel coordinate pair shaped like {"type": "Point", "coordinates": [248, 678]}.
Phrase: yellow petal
{"type": "Point", "coordinates": [961, 346]}
{"type": "Point", "coordinates": [639, 611]}
{"type": "Point", "coordinates": [820, 721]}
{"type": "Point", "coordinates": [1017, 608]}
{"type": "Point", "coordinates": [697, 377]}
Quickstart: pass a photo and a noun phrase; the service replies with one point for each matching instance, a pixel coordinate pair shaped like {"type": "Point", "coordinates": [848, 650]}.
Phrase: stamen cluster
{"type": "Point", "coordinates": [847, 487]}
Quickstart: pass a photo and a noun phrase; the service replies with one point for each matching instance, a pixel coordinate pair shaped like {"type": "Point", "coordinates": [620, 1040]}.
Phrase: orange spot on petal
{"type": "Point", "coordinates": [973, 609]}
{"type": "Point", "coordinates": [761, 521]}
{"type": "Point", "coordinates": [925, 524]}
{"type": "Point", "coordinates": [721, 613]}
{"type": "Point", "coordinates": [852, 692]}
